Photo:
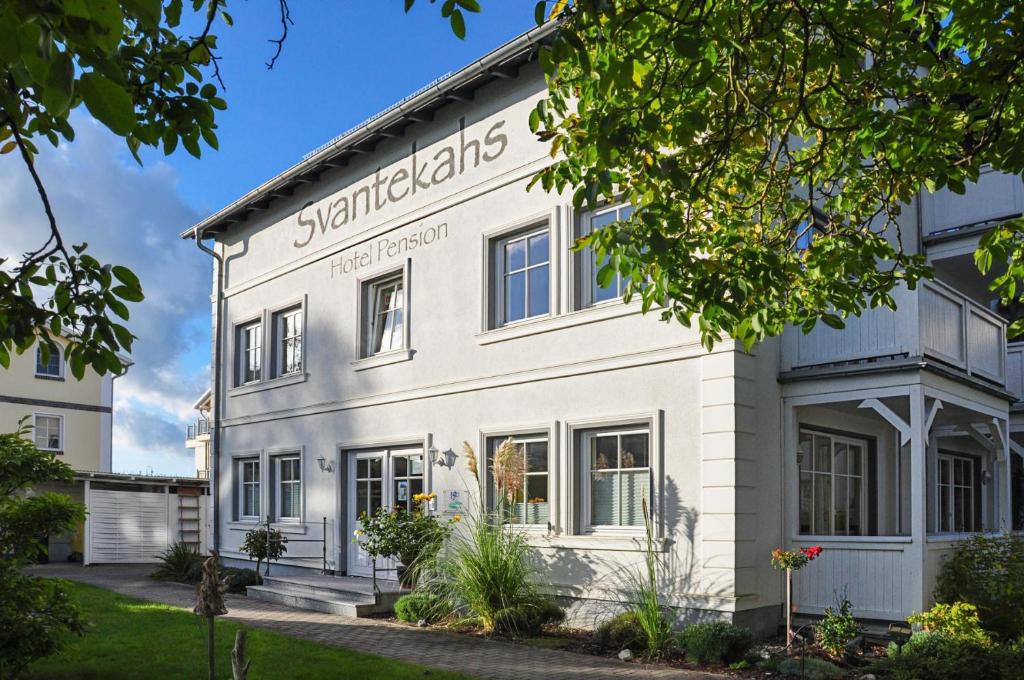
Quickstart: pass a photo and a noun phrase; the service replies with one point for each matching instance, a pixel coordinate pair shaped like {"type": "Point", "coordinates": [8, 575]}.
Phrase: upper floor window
{"type": "Point", "coordinates": [249, 489]}
{"type": "Point", "coordinates": [521, 288]}
{"type": "Point", "coordinates": [593, 290]}
{"type": "Point", "coordinates": [833, 484]}
{"type": "Point", "coordinates": [289, 488]}
{"type": "Point", "coordinates": [51, 366]}
{"type": "Point", "coordinates": [287, 341]}
{"type": "Point", "coordinates": [529, 503]}
{"type": "Point", "coordinates": [616, 477]}
{"type": "Point", "coordinates": [385, 329]}
{"type": "Point", "coordinates": [250, 353]}
{"type": "Point", "coordinates": [48, 432]}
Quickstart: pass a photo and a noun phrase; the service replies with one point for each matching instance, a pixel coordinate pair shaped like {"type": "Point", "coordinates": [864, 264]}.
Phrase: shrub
{"type": "Point", "coordinates": [528, 618]}
{"type": "Point", "coordinates": [180, 562]}
{"type": "Point", "coordinates": [264, 544]}
{"type": "Point", "coordinates": [836, 628]}
{"type": "Point", "coordinates": [621, 632]}
{"type": "Point", "coordinates": [718, 642]}
{"type": "Point", "coordinates": [937, 656]}
{"type": "Point", "coordinates": [958, 620]}
{"type": "Point", "coordinates": [420, 605]}
{"type": "Point", "coordinates": [810, 668]}
{"type": "Point", "coordinates": [237, 580]}
{"type": "Point", "coordinates": [988, 572]}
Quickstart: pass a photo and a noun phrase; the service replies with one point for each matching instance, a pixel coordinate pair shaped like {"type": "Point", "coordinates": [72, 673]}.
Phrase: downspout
{"type": "Point", "coordinates": [214, 471]}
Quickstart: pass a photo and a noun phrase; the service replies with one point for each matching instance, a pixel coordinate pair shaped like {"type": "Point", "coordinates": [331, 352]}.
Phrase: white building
{"type": "Point", "coordinates": [399, 291]}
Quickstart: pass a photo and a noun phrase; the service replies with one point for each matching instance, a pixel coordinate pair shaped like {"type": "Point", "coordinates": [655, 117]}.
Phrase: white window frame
{"type": "Point", "coordinates": [278, 459]}
{"type": "Point", "coordinates": [588, 268]}
{"type": "Point", "coordinates": [372, 317]}
{"type": "Point", "coordinates": [60, 431]}
{"type": "Point", "coordinates": [497, 287]}
{"type": "Point", "coordinates": [240, 471]}
{"type": "Point", "coordinates": [587, 437]}
{"type": "Point", "coordinates": [60, 363]}
{"type": "Point", "coordinates": [521, 438]}
{"type": "Point", "coordinates": [243, 351]}
{"type": "Point", "coordinates": [947, 524]}
{"type": "Point", "coordinates": [277, 322]}
{"type": "Point", "coordinates": [834, 439]}
{"type": "Point", "coordinates": [408, 476]}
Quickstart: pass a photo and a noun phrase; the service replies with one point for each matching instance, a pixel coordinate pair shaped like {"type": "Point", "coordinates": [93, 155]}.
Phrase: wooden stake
{"type": "Point", "coordinates": [239, 665]}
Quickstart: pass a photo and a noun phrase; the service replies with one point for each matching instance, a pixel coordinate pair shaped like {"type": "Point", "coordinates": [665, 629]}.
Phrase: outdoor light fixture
{"type": "Point", "coordinates": [325, 465]}
{"type": "Point", "coordinates": [436, 455]}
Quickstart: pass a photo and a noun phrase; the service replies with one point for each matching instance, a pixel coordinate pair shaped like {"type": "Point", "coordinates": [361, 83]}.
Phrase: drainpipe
{"type": "Point", "coordinates": [214, 472]}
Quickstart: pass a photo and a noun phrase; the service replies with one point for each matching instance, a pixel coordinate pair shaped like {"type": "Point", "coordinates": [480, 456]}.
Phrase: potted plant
{"type": "Point", "coordinates": [789, 561]}
{"type": "Point", "coordinates": [412, 537]}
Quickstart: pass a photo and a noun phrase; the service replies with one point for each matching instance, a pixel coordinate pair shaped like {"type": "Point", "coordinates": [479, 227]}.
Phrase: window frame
{"type": "Point", "coordinates": [277, 317]}
{"type": "Point", "coordinates": [372, 289]}
{"type": "Point", "coordinates": [585, 509]}
{"type": "Point", "coordinates": [276, 462]}
{"type": "Point", "coordinates": [865, 482]}
{"type": "Point", "coordinates": [240, 464]}
{"type": "Point", "coordinates": [587, 279]}
{"type": "Point", "coordinates": [496, 284]}
{"type": "Point", "coordinates": [60, 363]}
{"type": "Point", "coordinates": [59, 449]}
{"type": "Point", "coordinates": [242, 351]}
{"type": "Point", "coordinates": [492, 440]}
{"type": "Point", "coordinates": [973, 487]}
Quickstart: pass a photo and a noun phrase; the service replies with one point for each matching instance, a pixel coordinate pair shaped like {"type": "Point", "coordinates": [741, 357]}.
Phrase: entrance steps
{"type": "Point", "coordinates": [344, 595]}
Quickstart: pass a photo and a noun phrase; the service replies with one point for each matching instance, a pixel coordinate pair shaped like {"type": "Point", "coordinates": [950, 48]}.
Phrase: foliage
{"type": "Point", "coordinates": [794, 559]}
{"type": "Point", "coordinates": [180, 562]}
{"type": "Point", "coordinates": [414, 537]}
{"type": "Point", "coordinates": [237, 580]}
{"type": "Point", "coordinates": [421, 605]}
{"type": "Point", "coordinates": [988, 572]}
{"type": "Point", "coordinates": [622, 631]}
{"type": "Point", "coordinates": [263, 544]}
{"type": "Point", "coordinates": [717, 642]}
{"type": "Point", "coordinates": [652, 617]}
{"type": "Point", "coordinates": [36, 615]}
{"type": "Point", "coordinates": [528, 618]}
{"type": "Point", "coordinates": [771, 148]}
{"type": "Point", "coordinates": [836, 628]}
{"type": "Point", "coordinates": [129, 639]}
{"type": "Point", "coordinates": [810, 668]}
{"type": "Point", "coordinates": [938, 656]}
{"type": "Point", "coordinates": [958, 620]}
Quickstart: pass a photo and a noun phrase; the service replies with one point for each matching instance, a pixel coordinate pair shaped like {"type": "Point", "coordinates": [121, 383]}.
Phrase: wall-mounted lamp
{"type": "Point", "coordinates": [325, 465]}
{"type": "Point", "coordinates": [435, 455]}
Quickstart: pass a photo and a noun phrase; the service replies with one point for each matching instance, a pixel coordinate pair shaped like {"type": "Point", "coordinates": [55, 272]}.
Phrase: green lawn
{"type": "Point", "coordinates": [129, 638]}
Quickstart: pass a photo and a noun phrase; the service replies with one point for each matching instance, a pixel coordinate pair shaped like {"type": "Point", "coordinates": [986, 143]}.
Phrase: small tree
{"type": "Point", "coordinates": [210, 604]}
{"type": "Point", "coordinates": [36, 614]}
{"type": "Point", "coordinates": [789, 561]}
{"type": "Point", "coordinates": [262, 544]}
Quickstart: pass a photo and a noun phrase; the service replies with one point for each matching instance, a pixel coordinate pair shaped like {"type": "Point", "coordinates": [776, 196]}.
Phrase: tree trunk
{"type": "Point", "coordinates": [211, 671]}
{"type": "Point", "coordinates": [239, 666]}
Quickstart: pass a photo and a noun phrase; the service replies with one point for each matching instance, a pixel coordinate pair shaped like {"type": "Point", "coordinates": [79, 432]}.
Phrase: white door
{"type": "Point", "coordinates": [380, 478]}
{"type": "Point", "coordinates": [127, 526]}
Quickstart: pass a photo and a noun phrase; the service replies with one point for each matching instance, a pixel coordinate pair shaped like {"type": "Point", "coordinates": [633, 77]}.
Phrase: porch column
{"type": "Point", "coordinates": [1005, 475]}
{"type": "Point", "coordinates": [915, 552]}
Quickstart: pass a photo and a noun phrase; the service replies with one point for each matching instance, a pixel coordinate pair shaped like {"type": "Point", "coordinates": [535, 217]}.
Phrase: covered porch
{"type": "Point", "coordinates": [887, 472]}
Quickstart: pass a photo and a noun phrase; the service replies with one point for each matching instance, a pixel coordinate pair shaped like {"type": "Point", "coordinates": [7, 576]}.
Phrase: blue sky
{"type": "Point", "coordinates": [342, 63]}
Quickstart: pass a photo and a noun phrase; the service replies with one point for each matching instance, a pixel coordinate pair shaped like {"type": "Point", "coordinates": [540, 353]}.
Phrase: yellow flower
{"type": "Point", "coordinates": [359, 532]}
{"type": "Point", "coordinates": [457, 518]}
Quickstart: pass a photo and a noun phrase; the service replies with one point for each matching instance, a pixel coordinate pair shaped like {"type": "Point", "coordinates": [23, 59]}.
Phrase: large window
{"type": "Point", "coordinates": [957, 494]}
{"type": "Point", "coordinates": [522, 276]}
{"type": "Point", "coordinates": [288, 342]}
{"type": "Point", "coordinates": [616, 481]}
{"type": "Point", "coordinates": [52, 366]}
{"type": "Point", "coordinates": [289, 488]}
{"type": "Point", "coordinates": [248, 471]}
{"type": "Point", "coordinates": [833, 484]}
{"type": "Point", "coordinates": [530, 504]}
{"type": "Point", "coordinates": [593, 291]}
{"type": "Point", "coordinates": [385, 330]}
{"type": "Point", "coordinates": [250, 353]}
{"type": "Point", "coordinates": [48, 432]}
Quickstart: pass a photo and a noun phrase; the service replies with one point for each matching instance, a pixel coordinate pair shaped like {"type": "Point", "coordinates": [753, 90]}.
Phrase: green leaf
{"type": "Point", "coordinates": [129, 294]}
{"type": "Point", "coordinates": [147, 11]}
{"type": "Point", "coordinates": [60, 83]}
{"type": "Point", "coordinates": [108, 102]}
{"type": "Point", "coordinates": [458, 24]}
{"type": "Point", "coordinates": [126, 276]}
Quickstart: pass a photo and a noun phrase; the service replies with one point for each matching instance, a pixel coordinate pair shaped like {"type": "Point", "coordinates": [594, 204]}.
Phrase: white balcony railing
{"type": "Point", "coordinates": [1015, 369]}
{"type": "Point", "coordinates": [933, 321]}
{"type": "Point", "coordinates": [995, 196]}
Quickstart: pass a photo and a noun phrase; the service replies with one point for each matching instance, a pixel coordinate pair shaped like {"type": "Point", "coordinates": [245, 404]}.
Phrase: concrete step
{"type": "Point", "coordinates": [347, 596]}
{"type": "Point", "coordinates": [314, 603]}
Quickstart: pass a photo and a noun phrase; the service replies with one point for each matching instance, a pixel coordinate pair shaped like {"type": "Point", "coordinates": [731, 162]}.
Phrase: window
{"type": "Point", "coordinates": [289, 488]}
{"type": "Point", "coordinates": [833, 484]}
{"type": "Point", "coordinates": [616, 477]}
{"type": "Point", "coordinates": [522, 277]}
{"type": "Point", "coordinates": [250, 353]}
{"type": "Point", "coordinates": [407, 476]}
{"type": "Point", "coordinates": [288, 342]}
{"type": "Point", "coordinates": [249, 489]}
{"type": "Point", "coordinates": [531, 503]}
{"type": "Point", "coordinates": [52, 367]}
{"type": "Point", "coordinates": [957, 509]}
{"type": "Point", "coordinates": [593, 292]}
{"type": "Point", "coordinates": [47, 432]}
{"type": "Point", "coordinates": [385, 329]}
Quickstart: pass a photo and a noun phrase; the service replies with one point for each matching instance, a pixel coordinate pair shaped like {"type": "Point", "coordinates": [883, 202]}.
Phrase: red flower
{"type": "Point", "coordinates": [811, 552]}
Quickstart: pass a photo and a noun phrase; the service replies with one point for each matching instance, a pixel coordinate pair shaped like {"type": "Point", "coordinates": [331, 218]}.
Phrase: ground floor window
{"type": "Point", "coordinates": [616, 477]}
{"type": "Point", "coordinates": [530, 503]}
{"type": "Point", "coordinates": [958, 494]}
{"type": "Point", "coordinates": [248, 471]}
{"type": "Point", "coordinates": [289, 488]}
{"type": "Point", "coordinates": [833, 484]}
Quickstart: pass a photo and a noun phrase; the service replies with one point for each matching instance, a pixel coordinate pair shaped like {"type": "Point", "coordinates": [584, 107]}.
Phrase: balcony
{"type": "Point", "coordinates": [1015, 369]}
{"type": "Point", "coordinates": [197, 429]}
{"type": "Point", "coordinates": [995, 196]}
{"type": "Point", "coordinates": [934, 321]}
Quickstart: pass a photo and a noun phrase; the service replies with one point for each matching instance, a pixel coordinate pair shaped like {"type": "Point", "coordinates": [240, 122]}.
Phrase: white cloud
{"type": "Point", "coordinates": [129, 215]}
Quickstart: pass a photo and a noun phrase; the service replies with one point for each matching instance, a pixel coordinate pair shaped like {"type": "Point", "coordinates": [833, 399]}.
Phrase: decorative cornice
{"type": "Point", "coordinates": [49, 403]}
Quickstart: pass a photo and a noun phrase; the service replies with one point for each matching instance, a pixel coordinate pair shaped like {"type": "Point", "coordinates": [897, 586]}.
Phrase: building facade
{"type": "Point", "coordinates": [401, 292]}
{"type": "Point", "coordinates": [197, 435]}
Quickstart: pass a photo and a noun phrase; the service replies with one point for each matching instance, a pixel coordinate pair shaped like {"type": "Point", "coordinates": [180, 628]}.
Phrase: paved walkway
{"type": "Point", "coordinates": [478, 657]}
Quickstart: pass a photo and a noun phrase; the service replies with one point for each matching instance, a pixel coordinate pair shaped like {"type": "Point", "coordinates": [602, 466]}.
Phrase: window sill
{"type": "Point", "coordinates": [620, 542]}
{"type": "Point", "coordinates": [249, 388]}
{"type": "Point", "coordinates": [283, 527]}
{"type": "Point", "coordinates": [55, 378]}
{"type": "Point", "coordinates": [809, 539]}
{"type": "Point", "coordinates": [600, 312]}
{"type": "Point", "coordinates": [382, 359]}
